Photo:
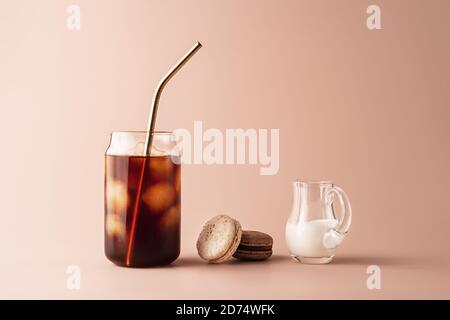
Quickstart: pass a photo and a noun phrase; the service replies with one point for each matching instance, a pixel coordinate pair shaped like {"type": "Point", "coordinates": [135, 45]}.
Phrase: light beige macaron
{"type": "Point", "coordinates": [219, 239]}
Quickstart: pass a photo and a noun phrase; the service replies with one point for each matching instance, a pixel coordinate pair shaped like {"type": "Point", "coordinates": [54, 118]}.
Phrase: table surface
{"type": "Point", "coordinates": [190, 278]}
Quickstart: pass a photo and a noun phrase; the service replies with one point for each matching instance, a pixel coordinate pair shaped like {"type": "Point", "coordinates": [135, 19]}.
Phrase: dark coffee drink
{"type": "Point", "coordinates": [142, 227]}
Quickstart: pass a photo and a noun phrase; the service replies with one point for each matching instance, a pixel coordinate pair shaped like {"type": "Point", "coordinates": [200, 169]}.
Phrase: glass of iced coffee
{"type": "Point", "coordinates": [142, 200]}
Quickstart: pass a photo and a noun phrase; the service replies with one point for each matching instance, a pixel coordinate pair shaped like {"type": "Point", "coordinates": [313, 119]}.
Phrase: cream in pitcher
{"type": "Point", "coordinates": [313, 231]}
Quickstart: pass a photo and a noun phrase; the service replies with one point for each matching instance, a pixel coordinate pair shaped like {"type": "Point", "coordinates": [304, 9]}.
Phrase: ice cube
{"type": "Point", "coordinates": [114, 225]}
{"type": "Point", "coordinates": [159, 197]}
{"type": "Point", "coordinates": [171, 217]}
{"type": "Point", "coordinates": [116, 195]}
{"type": "Point", "coordinates": [161, 168]}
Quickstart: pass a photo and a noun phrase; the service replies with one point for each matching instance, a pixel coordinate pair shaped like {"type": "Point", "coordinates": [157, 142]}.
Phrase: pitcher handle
{"type": "Point", "coordinates": [333, 238]}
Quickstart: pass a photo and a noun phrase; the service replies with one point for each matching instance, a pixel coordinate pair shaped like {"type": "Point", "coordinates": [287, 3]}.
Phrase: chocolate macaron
{"type": "Point", "coordinates": [254, 246]}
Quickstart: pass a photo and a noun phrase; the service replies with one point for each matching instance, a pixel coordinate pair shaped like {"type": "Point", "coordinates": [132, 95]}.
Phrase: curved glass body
{"type": "Point", "coordinates": [314, 231]}
{"type": "Point", "coordinates": [142, 200]}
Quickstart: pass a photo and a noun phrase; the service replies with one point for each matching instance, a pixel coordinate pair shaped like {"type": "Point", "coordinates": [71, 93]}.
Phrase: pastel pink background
{"type": "Point", "coordinates": [366, 109]}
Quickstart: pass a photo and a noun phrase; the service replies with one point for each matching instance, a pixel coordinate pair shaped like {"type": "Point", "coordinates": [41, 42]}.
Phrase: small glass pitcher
{"type": "Point", "coordinates": [313, 231]}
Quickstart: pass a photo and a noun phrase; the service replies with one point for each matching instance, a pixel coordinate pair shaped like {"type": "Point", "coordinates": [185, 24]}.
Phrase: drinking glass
{"type": "Point", "coordinates": [142, 200]}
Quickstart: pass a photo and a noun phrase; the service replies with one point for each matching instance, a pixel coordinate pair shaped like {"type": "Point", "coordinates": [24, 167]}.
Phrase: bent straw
{"type": "Point", "coordinates": [157, 95]}
{"type": "Point", "coordinates": [149, 139]}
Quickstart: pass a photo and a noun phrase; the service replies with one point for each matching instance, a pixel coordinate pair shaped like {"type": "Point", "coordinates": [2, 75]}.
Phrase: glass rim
{"type": "Point", "coordinates": [314, 181]}
{"type": "Point", "coordinates": [158, 132]}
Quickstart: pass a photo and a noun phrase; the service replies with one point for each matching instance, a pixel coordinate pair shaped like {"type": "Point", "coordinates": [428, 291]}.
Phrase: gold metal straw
{"type": "Point", "coordinates": [157, 95]}
{"type": "Point", "coordinates": [148, 143]}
